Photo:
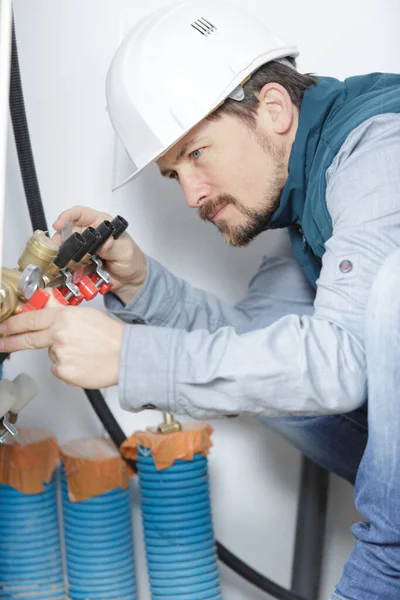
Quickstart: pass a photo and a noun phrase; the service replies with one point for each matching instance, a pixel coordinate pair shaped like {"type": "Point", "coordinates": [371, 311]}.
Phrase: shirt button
{"type": "Point", "coordinates": [346, 266]}
{"type": "Point", "coordinates": [149, 407]}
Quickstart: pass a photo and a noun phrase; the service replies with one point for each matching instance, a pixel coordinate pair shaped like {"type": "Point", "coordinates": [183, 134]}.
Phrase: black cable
{"type": "Point", "coordinates": [108, 420]}
{"type": "Point", "coordinates": [95, 397]}
{"type": "Point", "coordinates": [310, 529]}
{"type": "Point", "coordinates": [23, 141]}
{"type": "Point", "coordinates": [254, 577]}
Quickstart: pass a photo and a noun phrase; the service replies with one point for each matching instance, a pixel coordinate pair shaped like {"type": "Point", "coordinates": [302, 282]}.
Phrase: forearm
{"type": "Point", "coordinates": [278, 288]}
{"type": "Point", "coordinates": [167, 301]}
{"type": "Point", "coordinates": [300, 366]}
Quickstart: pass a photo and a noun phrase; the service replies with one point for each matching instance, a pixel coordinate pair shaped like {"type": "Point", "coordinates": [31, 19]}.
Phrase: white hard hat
{"type": "Point", "coordinates": [176, 66]}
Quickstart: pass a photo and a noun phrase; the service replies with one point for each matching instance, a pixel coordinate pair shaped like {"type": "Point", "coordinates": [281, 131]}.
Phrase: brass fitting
{"type": "Point", "coordinates": [52, 272]}
{"type": "Point", "coordinates": [40, 250]}
{"type": "Point", "coordinates": [8, 299]}
{"type": "Point", "coordinates": [169, 425]}
{"type": "Point", "coordinates": [11, 294]}
{"type": "Point", "coordinates": [38, 254]}
{"type": "Point", "coordinates": [60, 265]}
{"type": "Point", "coordinates": [84, 261]}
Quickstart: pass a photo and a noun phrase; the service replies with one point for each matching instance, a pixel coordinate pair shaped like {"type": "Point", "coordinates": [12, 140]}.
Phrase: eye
{"type": "Point", "coordinates": [196, 153]}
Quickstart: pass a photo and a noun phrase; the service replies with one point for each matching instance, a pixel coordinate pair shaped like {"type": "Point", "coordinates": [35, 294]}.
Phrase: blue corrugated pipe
{"type": "Point", "coordinates": [30, 553]}
{"type": "Point", "coordinates": [99, 546]}
{"type": "Point", "coordinates": [180, 544]}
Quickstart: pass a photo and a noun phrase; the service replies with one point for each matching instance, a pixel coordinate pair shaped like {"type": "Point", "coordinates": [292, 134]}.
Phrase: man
{"type": "Point", "coordinates": [256, 145]}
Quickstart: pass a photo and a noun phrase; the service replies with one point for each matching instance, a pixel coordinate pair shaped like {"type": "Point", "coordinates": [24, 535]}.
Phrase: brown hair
{"type": "Point", "coordinates": [294, 82]}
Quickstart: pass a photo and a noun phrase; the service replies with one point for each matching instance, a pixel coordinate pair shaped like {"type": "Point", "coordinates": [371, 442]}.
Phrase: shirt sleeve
{"type": "Point", "coordinates": [300, 364]}
{"type": "Point", "coordinates": [164, 300]}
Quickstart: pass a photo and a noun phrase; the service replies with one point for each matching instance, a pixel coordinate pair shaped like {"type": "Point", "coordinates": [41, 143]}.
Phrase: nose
{"type": "Point", "coordinates": [196, 191]}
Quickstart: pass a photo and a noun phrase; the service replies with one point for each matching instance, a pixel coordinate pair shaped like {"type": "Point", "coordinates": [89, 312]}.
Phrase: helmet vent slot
{"type": "Point", "coordinates": [203, 26]}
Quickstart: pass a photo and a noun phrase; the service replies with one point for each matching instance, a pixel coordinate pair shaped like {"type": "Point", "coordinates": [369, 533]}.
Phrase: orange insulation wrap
{"type": "Point", "coordinates": [93, 467]}
{"type": "Point", "coordinates": [166, 448]}
{"type": "Point", "coordinates": [29, 460]}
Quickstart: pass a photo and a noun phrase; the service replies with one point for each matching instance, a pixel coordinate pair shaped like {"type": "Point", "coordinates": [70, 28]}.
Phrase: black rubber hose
{"type": "Point", "coordinates": [95, 397]}
{"type": "Point", "coordinates": [23, 141]}
{"type": "Point", "coordinates": [108, 420]}
{"type": "Point", "coordinates": [310, 530]}
{"type": "Point", "coordinates": [254, 577]}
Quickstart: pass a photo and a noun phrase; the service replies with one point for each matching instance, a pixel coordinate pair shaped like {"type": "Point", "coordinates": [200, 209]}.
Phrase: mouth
{"type": "Point", "coordinates": [215, 216]}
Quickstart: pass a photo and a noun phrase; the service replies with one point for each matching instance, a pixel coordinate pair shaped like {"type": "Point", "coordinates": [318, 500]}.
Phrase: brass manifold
{"type": "Point", "coordinates": [36, 269]}
{"type": "Point", "coordinates": [35, 261]}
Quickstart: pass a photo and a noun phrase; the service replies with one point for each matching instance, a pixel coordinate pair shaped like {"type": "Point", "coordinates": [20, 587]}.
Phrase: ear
{"type": "Point", "coordinates": [277, 107]}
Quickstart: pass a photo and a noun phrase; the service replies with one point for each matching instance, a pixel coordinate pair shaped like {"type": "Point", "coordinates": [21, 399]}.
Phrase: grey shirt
{"type": "Point", "coordinates": [281, 350]}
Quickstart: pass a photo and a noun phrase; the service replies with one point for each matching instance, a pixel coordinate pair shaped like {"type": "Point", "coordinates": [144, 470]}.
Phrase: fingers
{"type": "Point", "coordinates": [29, 331]}
{"type": "Point", "coordinates": [35, 320]}
{"type": "Point", "coordinates": [53, 356]}
{"type": "Point", "coordinates": [55, 370]}
{"type": "Point", "coordinates": [61, 373]}
{"type": "Point", "coordinates": [57, 238]}
{"type": "Point", "coordinates": [83, 216]}
{"type": "Point", "coordinates": [31, 340]}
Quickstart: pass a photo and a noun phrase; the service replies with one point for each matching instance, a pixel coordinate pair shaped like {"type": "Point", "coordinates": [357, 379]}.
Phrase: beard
{"type": "Point", "coordinates": [256, 219]}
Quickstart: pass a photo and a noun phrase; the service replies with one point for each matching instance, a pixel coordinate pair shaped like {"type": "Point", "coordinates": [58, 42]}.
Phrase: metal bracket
{"type": "Point", "coordinates": [7, 427]}
{"type": "Point", "coordinates": [73, 289]}
{"type": "Point", "coordinates": [103, 275]}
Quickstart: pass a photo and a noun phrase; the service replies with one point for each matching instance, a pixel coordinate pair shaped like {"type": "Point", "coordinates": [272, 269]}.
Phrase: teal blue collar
{"type": "Point", "coordinates": [318, 106]}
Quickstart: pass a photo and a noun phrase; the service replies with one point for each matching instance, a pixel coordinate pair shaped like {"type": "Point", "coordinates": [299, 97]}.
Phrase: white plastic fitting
{"type": "Point", "coordinates": [15, 395]}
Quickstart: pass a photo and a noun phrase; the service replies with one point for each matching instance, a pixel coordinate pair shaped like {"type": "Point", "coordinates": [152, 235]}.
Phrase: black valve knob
{"type": "Point", "coordinates": [106, 230]}
{"type": "Point", "coordinates": [91, 236]}
{"type": "Point", "coordinates": [69, 249]}
{"type": "Point", "coordinates": [120, 225]}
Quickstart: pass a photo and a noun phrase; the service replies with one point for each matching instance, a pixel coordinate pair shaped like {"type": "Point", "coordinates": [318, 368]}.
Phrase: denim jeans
{"type": "Point", "coordinates": [363, 447]}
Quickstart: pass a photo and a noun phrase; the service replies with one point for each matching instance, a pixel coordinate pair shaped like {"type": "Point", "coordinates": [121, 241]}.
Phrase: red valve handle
{"type": "Point", "coordinates": [104, 288]}
{"type": "Point", "coordinates": [95, 278]}
{"type": "Point", "coordinates": [40, 299]}
{"type": "Point", "coordinates": [59, 297]}
{"type": "Point", "coordinates": [36, 302]}
{"type": "Point", "coordinates": [74, 300]}
{"type": "Point", "coordinates": [78, 274]}
{"type": "Point", "coordinates": [87, 288]}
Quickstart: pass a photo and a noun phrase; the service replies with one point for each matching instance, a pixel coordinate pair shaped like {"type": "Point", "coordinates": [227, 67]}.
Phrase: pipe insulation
{"type": "Point", "coordinates": [99, 546]}
{"type": "Point", "coordinates": [31, 565]}
{"type": "Point", "coordinates": [177, 522]}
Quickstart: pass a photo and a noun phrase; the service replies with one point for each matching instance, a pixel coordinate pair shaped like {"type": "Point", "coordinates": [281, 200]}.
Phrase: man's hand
{"type": "Point", "coordinates": [84, 344]}
{"type": "Point", "coordinates": [123, 259]}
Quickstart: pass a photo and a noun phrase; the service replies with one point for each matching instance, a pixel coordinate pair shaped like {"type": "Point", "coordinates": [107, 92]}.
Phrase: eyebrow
{"type": "Point", "coordinates": [181, 153]}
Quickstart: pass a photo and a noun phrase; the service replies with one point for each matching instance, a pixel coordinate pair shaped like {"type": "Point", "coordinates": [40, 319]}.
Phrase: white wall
{"type": "Point", "coordinates": [65, 48]}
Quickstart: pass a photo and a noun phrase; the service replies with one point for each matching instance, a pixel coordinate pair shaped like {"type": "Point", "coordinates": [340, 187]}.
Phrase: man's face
{"type": "Point", "coordinates": [232, 174]}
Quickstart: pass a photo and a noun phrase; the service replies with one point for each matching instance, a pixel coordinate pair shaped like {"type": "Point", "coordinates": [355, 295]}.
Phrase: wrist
{"type": "Point", "coordinates": [128, 291]}
{"type": "Point", "coordinates": [115, 345]}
